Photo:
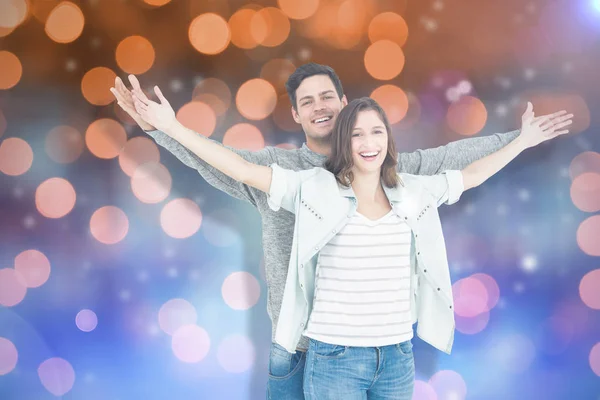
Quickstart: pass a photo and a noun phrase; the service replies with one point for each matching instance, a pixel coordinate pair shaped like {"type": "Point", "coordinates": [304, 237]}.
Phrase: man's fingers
{"type": "Point", "coordinates": [137, 90]}
{"type": "Point", "coordinates": [160, 96]}
{"type": "Point", "coordinates": [557, 122]}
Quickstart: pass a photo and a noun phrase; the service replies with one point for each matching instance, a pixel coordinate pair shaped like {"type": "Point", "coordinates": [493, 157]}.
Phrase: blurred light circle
{"type": "Point", "coordinates": [595, 359]}
{"type": "Point", "coordinates": [151, 183]}
{"type": "Point", "coordinates": [209, 33]}
{"type": "Point", "coordinates": [472, 325]}
{"type": "Point", "coordinates": [109, 225]}
{"type": "Point", "coordinates": [12, 291]}
{"type": "Point", "coordinates": [295, 9]}
{"type": "Point", "coordinates": [65, 23]}
{"type": "Point", "coordinates": [95, 86]}
{"type": "Point", "coordinates": [135, 54]}
{"type": "Point", "coordinates": [8, 356]}
{"type": "Point", "coordinates": [589, 289]}
{"type": "Point", "coordinates": [215, 93]}
{"type": "Point", "coordinates": [57, 376]}
{"type": "Point", "coordinates": [157, 3]}
{"type": "Point", "coordinates": [388, 26]}
{"type": "Point", "coordinates": [276, 72]}
{"type": "Point", "coordinates": [588, 234]}
{"type": "Point", "coordinates": [32, 267]}
{"type": "Point", "coordinates": [470, 297]}
{"type": "Point", "coordinates": [198, 117]}
{"type": "Point", "coordinates": [244, 136]}
{"type": "Point", "coordinates": [190, 343]}
{"type": "Point", "coordinates": [176, 313]}
{"type": "Point", "coordinates": [448, 385]}
{"type": "Point", "coordinates": [138, 151]}
{"type": "Point", "coordinates": [236, 354]}
{"type": "Point", "coordinates": [5, 31]}
{"type": "Point", "coordinates": [269, 27]}
{"type": "Point", "coordinates": [55, 198]}
{"type": "Point", "coordinates": [321, 25]}
{"type": "Point", "coordinates": [467, 116]}
{"type": "Point", "coordinates": [105, 138]}
{"type": "Point", "coordinates": [588, 161]}
{"type": "Point", "coordinates": [86, 320]}
{"type": "Point", "coordinates": [393, 100]}
{"type": "Point", "coordinates": [64, 144]}
{"type": "Point", "coordinates": [11, 70]}
{"type": "Point", "coordinates": [585, 191]}
{"type": "Point", "coordinates": [180, 218]}
{"type": "Point", "coordinates": [240, 290]}
{"type": "Point", "coordinates": [239, 25]}
{"type": "Point", "coordinates": [423, 391]}
{"type": "Point", "coordinates": [492, 288]}
{"type": "Point", "coordinates": [16, 156]}
{"type": "Point", "coordinates": [2, 123]}
{"type": "Point", "coordinates": [352, 23]}
{"type": "Point", "coordinates": [384, 60]}
{"type": "Point", "coordinates": [513, 353]}
{"type": "Point", "coordinates": [256, 99]}
{"type": "Point", "coordinates": [282, 115]}
{"type": "Point", "coordinates": [13, 13]}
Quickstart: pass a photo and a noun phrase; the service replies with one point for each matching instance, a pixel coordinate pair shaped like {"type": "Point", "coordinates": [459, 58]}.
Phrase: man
{"type": "Point", "coordinates": [317, 97]}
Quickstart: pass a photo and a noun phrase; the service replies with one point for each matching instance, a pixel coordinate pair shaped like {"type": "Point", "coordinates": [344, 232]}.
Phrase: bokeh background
{"type": "Point", "coordinates": [124, 275]}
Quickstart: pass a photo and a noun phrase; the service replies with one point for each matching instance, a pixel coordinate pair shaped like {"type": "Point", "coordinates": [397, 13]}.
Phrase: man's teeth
{"type": "Point", "coordinates": [322, 119]}
{"type": "Point", "coordinates": [374, 153]}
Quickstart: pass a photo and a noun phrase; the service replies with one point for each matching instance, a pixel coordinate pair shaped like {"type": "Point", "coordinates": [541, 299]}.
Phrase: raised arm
{"type": "Point", "coordinates": [212, 175]}
{"type": "Point", "coordinates": [456, 155]}
{"type": "Point", "coordinates": [534, 131]}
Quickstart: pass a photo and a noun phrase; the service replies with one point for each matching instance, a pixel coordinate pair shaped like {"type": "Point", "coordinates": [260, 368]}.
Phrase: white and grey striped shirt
{"type": "Point", "coordinates": [362, 291]}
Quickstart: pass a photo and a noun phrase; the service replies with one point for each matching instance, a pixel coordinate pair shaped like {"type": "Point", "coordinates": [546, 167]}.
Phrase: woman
{"type": "Point", "coordinates": [368, 257]}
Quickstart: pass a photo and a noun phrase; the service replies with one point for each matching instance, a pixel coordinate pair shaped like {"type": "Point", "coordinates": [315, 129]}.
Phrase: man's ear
{"type": "Point", "coordinates": [344, 101]}
{"type": "Point", "coordinates": [295, 115]}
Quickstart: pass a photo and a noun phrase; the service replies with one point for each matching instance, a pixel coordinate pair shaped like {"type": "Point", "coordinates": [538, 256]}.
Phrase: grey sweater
{"type": "Point", "coordinates": [278, 227]}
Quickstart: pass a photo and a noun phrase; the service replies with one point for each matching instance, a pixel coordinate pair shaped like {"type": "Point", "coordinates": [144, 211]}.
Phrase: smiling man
{"type": "Point", "coordinates": [317, 97]}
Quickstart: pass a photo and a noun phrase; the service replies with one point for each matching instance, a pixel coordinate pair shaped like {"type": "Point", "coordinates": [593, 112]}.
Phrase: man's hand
{"type": "Point", "coordinates": [161, 115]}
{"type": "Point", "coordinates": [125, 101]}
{"type": "Point", "coordinates": [535, 130]}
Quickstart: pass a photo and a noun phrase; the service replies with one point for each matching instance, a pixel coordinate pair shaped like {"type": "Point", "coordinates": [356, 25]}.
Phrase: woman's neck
{"type": "Point", "coordinates": [367, 186]}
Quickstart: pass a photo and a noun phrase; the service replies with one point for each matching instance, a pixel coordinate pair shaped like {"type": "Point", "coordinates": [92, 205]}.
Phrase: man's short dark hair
{"type": "Point", "coordinates": [306, 71]}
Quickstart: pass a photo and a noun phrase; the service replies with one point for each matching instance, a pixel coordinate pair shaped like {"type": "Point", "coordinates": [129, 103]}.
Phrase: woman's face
{"type": "Point", "coordinates": [369, 142]}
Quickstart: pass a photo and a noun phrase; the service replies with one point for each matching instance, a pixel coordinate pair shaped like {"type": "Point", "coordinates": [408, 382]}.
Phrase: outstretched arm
{"type": "Point", "coordinates": [212, 175]}
{"type": "Point", "coordinates": [534, 131]}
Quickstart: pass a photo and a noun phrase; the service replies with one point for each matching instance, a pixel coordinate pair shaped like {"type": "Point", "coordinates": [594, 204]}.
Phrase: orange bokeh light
{"type": "Point", "coordinates": [55, 198]}
{"type": "Point", "coordinates": [109, 225]}
{"type": "Point", "coordinates": [32, 267]}
{"type": "Point", "coordinates": [239, 25]}
{"type": "Point", "coordinates": [105, 138]}
{"type": "Point", "coordinates": [269, 27]}
{"type": "Point", "coordinates": [393, 100]}
{"type": "Point", "coordinates": [276, 72]}
{"type": "Point", "coordinates": [209, 33]}
{"type": "Point", "coordinates": [13, 13]}
{"type": "Point", "coordinates": [388, 26]}
{"type": "Point", "coordinates": [135, 55]}
{"type": "Point", "coordinates": [588, 161]}
{"type": "Point", "coordinates": [588, 234]}
{"type": "Point", "coordinates": [244, 136]}
{"type": "Point", "coordinates": [64, 144]}
{"type": "Point", "coordinates": [65, 23]}
{"type": "Point", "coordinates": [256, 99]}
{"type": "Point", "coordinates": [11, 70]}
{"type": "Point", "coordinates": [298, 9]}
{"type": "Point", "coordinates": [181, 218]}
{"type": "Point", "coordinates": [137, 151]}
{"type": "Point", "coordinates": [467, 116]}
{"type": "Point", "coordinates": [585, 192]}
{"type": "Point", "coordinates": [16, 156]}
{"type": "Point", "coordinates": [215, 93]}
{"type": "Point", "coordinates": [156, 3]}
{"type": "Point", "coordinates": [96, 84]}
{"type": "Point", "coordinates": [151, 183]}
{"type": "Point", "coordinates": [384, 60]}
{"type": "Point", "coordinates": [198, 117]}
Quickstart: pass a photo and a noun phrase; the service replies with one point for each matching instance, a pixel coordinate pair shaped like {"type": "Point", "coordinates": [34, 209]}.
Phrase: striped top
{"type": "Point", "coordinates": [362, 288]}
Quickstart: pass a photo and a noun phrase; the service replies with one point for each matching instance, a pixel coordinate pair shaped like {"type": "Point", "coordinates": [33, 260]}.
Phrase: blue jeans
{"type": "Point", "coordinates": [286, 372]}
{"type": "Point", "coordinates": [359, 373]}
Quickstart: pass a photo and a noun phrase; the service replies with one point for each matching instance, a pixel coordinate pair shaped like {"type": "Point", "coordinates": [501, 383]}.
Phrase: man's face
{"type": "Point", "coordinates": [318, 106]}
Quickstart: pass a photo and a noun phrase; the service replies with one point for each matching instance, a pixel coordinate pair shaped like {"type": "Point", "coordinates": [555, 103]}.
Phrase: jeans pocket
{"type": "Point", "coordinates": [326, 350]}
{"type": "Point", "coordinates": [405, 348]}
{"type": "Point", "coordinates": [283, 364]}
